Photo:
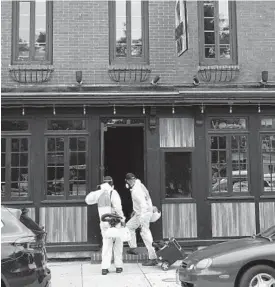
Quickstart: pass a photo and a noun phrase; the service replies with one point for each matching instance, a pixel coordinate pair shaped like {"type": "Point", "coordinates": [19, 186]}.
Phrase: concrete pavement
{"type": "Point", "coordinates": [85, 274]}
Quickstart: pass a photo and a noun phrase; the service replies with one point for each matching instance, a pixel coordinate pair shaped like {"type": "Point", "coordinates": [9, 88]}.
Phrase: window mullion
{"type": "Point", "coordinates": [8, 170]}
{"type": "Point", "coordinates": [66, 167]}
{"type": "Point", "coordinates": [229, 164]}
{"type": "Point", "coordinates": [216, 27]}
{"type": "Point", "coordinates": [128, 29]}
{"type": "Point", "coordinates": [32, 30]}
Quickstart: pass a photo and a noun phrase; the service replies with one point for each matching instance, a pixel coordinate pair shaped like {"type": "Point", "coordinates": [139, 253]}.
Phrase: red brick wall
{"type": "Point", "coordinates": [81, 39]}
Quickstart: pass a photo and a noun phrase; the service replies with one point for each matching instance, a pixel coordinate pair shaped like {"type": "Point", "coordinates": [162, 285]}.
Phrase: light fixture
{"type": "Point", "coordinates": [259, 108]}
{"type": "Point", "coordinates": [78, 77]}
{"type": "Point", "coordinates": [230, 109]}
{"type": "Point", "coordinates": [202, 109]}
{"type": "Point", "coordinates": [84, 110]}
{"type": "Point", "coordinates": [196, 81]}
{"type": "Point", "coordinates": [54, 113]}
{"type": "Point", "coordinates": [173, 109]}
{"type": "Point", "coordinates": [114, 110]}
{"type": "Point", "coordinates": [264, 77]}
{"type": "Point", "coordinates": [23, 111]}
{"type": "Point", "coordinates": [155, 80]}
{"type": "Point", "coordinates": [143, 110]}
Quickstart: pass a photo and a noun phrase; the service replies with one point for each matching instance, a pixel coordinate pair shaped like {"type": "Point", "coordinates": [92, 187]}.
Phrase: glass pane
{"type": "Point", "coordinates": [136, 29]}
{"type": "Point", "coordinates": [208, 8]}
{"type": "Point", "coordinates": [209, 51]}
{"type": "Point", "coordinates": [40, 30]}
{"type": "Point", "coordinates": [24, 30]}
{"type": "Point", "coordinates": [66, 125]}
{"type": "Point", "coordinates": [230, 123]}
{"type": "Point", "coordinates": [19, 182]}
{"type": "Point", "coordinates": [224, 31]}
{"type": "Point", "coordinates": [209, 24]}
{"type": "Point", "coordinates": [209, 38]}
{"type": "Point", "coordinates": [239, 163]}
{"type": "Point", "coordinates": [268, 123]}
{"type": "Point", "coordinates": [3, 181]}
{"type": "Point", "coordinates": [77, 184]}
{"type": "Point", "coordinates": [268, 162]}
{"type": "Point", "coordinates": [178, 174]}
{"type": "Point", "coordinates": [3, 145]}
{"type": "Point", "coordinates": [121, 46]}
{"type": "Point", "coordinates": [218, 149]}
{"type": "Point", "coordinates": [14, 125]}
{"type": "Point", "coordinates": [15, 145]}
{"type": "Point", "coordinates": [15, 159]}
{"type": "Point", "coordinates": [55, 181]}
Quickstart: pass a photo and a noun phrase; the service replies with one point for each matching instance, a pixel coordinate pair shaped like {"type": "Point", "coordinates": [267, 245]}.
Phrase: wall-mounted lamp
{"type": "Point", "coordinates": [114, 109]}
{"type": "Point", "coordinates": [84, 110]}
{"type": "Point", "coordinates": [196, 81]}
{"type": "Point", "coordinates": [54, 112]}
{"type": "Point", "coordinates": [155, 80]}
{"type": "Point", "coordinates": [78, 77]}
{"type": "Point", "coordinates": [23, 111]}
{"type": "Point", "coordinates": [173, 109]}
{"type": "Point", "coordinates": [202, 109]}
{"type": "Point", "coordinates": [264, 77]}
{"type": "Point", "coordinates": [143, 110]}
{"type": "Point", "coordinates": [259, 108]}
{"type": "Point", "coordinates": [230, 109]}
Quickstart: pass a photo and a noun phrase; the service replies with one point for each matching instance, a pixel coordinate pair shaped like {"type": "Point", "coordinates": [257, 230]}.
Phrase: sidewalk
{"type": "Point", "coordinates": [85, 274]}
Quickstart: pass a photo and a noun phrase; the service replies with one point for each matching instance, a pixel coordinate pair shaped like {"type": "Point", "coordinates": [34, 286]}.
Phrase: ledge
{"type": "Point", "coordinates": [218, 73]}
{"type": "Point", "coordinates": [31, 74]}
{"type": "Point", "coordinates": [129, 72]}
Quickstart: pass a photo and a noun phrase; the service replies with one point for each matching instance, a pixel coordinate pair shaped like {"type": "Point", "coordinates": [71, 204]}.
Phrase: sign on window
{"type": "Point", "coordinates": [181, 27]}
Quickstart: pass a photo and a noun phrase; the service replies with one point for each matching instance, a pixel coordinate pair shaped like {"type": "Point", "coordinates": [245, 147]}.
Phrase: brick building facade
{"type": "Point", "coordinates": [177, 135]}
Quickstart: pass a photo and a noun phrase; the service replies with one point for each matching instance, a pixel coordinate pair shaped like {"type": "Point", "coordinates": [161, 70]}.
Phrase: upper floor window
{"type": "Point", "coordinates": [128, 31]}
{"type": "Point", "coordinates": [32, 32]}
{"type": "Point", "coordinates": [217, 32]}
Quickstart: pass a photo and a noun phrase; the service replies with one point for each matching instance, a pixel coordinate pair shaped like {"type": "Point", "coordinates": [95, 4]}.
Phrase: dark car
{"type": "Point", "coordinates": [23, 253]}
{"type": "Point", "coordinates": [246, 262]}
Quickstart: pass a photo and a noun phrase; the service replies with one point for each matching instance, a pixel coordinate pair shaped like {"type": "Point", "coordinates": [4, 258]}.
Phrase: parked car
{"type": "Point", "coordinates": [23, 253]}
{"type": "Point", "coordinates": [246, 262]}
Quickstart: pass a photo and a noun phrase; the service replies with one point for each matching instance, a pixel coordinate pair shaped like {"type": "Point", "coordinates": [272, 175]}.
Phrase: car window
{"type": "Point", "coordinates": [270, 232]}
{"type": "Point", "coordinates": [11, 225]}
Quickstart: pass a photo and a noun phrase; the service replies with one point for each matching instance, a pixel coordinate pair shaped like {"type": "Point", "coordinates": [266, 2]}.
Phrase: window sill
{"type": "Point", "coordinates": [218, 73]}
{"type": "Point", "coordinates": [178, 200]}
{"type": "Point", "coordinates": [31, 73]}
{"type": "Point", "coordinates": [16, 202]}
{"type": "Point", "coordinates": [229, 198]}
{"type": "Point", "coordinates": [129, 72]}
{"type": "Point", "coordinates": [267, 196]}
{"type": "Point", "coordinates": [63, 201]}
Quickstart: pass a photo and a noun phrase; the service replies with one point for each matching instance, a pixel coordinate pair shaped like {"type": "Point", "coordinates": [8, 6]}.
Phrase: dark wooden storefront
{"type": "Point", "coordinates": [58, 137]}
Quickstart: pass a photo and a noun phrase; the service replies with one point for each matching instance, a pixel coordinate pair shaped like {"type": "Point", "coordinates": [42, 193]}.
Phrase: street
{"type": "Point", "coordinates": [84, 274]}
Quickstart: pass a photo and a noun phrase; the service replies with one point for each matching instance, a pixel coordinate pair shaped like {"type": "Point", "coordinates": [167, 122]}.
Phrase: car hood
{"type": "Point", "coordinates": [225, 247]}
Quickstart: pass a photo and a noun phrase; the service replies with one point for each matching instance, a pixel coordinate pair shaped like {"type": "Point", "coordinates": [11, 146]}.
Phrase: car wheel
{"type": "Point", "coordinates": [258, 276]}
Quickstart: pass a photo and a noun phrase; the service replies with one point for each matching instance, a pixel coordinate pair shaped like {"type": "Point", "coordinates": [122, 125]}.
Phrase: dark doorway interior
{"type": "Point", "coordinates": [124, 152]}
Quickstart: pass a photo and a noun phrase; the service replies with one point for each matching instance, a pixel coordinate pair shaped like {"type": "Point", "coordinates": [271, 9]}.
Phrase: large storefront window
{"type": "Point", "coordinates": [268, 154]}
{"type": "Point", "coordinates": [229, 157]}
{"type": "Point", "coordinates": [178, 175]}
{"type": "Point", "coordinates": [66, 160]}
{"type": "Point", "coordinates": [14, 160]}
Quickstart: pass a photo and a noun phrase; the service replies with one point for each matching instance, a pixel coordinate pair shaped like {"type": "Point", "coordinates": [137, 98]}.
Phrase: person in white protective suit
{"type": "Point", "coordinates": [108, 201]}
{"type": "Point", "coordinates": [143, 211]}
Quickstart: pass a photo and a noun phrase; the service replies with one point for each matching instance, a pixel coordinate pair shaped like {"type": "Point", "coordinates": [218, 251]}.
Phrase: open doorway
{"type": "Point", "coordinates": [124, 152]}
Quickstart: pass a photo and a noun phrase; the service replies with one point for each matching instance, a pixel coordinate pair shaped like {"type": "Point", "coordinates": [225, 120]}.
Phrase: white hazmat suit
{"type": "Point", "coordinates": [143, 211]}
{"type": "Point", "coordinates": [108, 201]}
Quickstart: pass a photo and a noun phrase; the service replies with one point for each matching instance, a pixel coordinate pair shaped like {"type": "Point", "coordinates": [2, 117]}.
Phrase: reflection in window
{"type": "Point", "coordinates": [230, 124]}
{"type": "Point", "coordinates": [77, 180]}
{"type": "Point", "coordinates": [66, 125]}
{"type": "Point", "coordinates": [55, 166]}
{"type": "Point", "coordinates": [216, 30]}
{"type": "Point", "coordinates": [15, 180]}
{"type": "Point", "coordinates": [178, 175]}
{"type": "Point", "coordinates": [14, 125]}
{"type": "Point", "coordinates": [229, 162]}
{"type": "Point", "coordinates": [3, 167]}
{"type": "Point", "coordinates": [268, 123]}
{"type": "Point", "coordinates": [268, 162]}
{"type": "Point", "coordinates": [66, 167]}
{"type": "Point", "coordinates": [128, 21]}
{"type": "Point", "coordinates": [32, 27]}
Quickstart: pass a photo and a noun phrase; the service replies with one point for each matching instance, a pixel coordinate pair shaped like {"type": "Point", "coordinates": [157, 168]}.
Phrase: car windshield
{"type": "Point", "coordinates": [268, 233]}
